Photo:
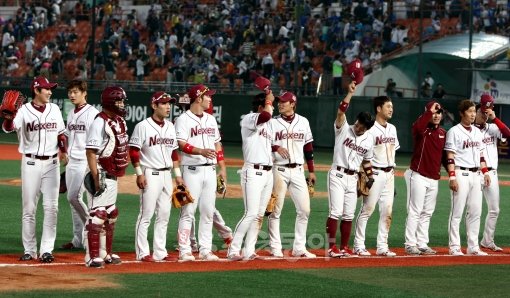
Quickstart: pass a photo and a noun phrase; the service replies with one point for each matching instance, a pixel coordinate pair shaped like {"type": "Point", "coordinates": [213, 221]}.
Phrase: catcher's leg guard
{"type": "Point", "coordinates": [109, 228]}
{"type": "Point", "coordinates": [94, 228]}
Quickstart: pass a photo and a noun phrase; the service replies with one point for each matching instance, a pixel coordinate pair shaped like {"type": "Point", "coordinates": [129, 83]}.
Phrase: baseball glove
{"type": "Point", "coordinates": [181, 196]}
{"type": "Point", "coordinates": [62, 186]}
{"type": "Point", "coordinates": [90, 186]}
{"type": "Point", "coordinates": [270, 205]}
{"type": "Point", "coordinates": [221, 187]}
{"type": "Point", "coordinates": [311, 187]}
{"type": "Point", "coordinates": [12, 101]}
{"type": "Point", "coordinates": [364, 183]}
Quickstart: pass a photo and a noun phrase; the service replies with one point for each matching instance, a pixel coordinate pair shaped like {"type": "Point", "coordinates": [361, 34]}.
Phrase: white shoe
{"type": "Point", "coordinates": [492, 246]}
{"type": "Point", "coordinates": [304, 254]}
{"type": "Point", "coordinates": [276, 253]}
{"type": "Point", "coordinates": [362, 252]}
{"type": "Point", "coordinates": [427, 251]}
{"type": "Point", "coordinates": [456, 252]}
{"type": "Point", "coordinates": [186, 257]}
{"type": "Point", "coordinates": [412, 250]}
{"type": "Point", "coordinates": [252, 257]}
{"type": "Point", "coordinates": [208, 257]}
{"type": "Point", "coordinates": [385, 253]}
{"type": "Point", "coordinates": [95, 263]}
{"type": "Point", "coordinates": [476, 252]}
{"type": "Point", "coordinates": [234, 257]}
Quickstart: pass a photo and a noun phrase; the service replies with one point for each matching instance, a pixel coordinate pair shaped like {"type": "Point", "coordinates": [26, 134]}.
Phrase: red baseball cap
{"type": "Point", "coordinates": [486, 102]}
{"type": "Point", "coordinates": [199, 90]}
{"type": "Point", "coordinates": [355, 71]}
{"type": "Point", "coordinates": [431, 103]}
{"type": "Point", "coordinates": [161, 97]}
{"type": "Point", "coordinates": [262, 83]}
{"type": "Point", "coordinates": [287, 96]}
{"type": "Point", "coordinates": [42, 82]}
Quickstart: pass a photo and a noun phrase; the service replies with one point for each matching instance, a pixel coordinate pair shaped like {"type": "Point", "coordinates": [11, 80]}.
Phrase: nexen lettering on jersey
{"type": "Point", "coordinates": [489, 140]}
{"type": "Point", "coordinates": [77, 127]}
{"type": "Point", "coordinates": [282, 135]}
{"type": "Point", "coordinates": [351, 145]}
{"type": "Point", "coordinates": [160, 141]}
{"type": "Point", "coordinates": [202, 131]}
{"type": "Point", "coordinates": [383, 140]}
{"type": "Point", "coordinates": [264, 133]}
{"type": "Point", "coordinates": [40, 126]}
{"type": "Point", "coordinates": [468, 144]}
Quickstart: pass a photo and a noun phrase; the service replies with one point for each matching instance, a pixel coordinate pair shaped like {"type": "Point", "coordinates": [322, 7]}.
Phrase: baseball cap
{"type": "Point", "coordinates": [355, 71]}
{"type": "Point", "coordinates": [432, 103]}
{"type": "Point", "coordinates": [42, 82]}
{"type": "Point", "coordinates": [262, 83]}
{"type": "Point", "coordinates": [287, 96]}
{"type": "Point", "coordinates": [161, 97]}
{"type": "Point", "coordinates": [199, 90]}
{"type": "Point", "coordinates": [486, 102]}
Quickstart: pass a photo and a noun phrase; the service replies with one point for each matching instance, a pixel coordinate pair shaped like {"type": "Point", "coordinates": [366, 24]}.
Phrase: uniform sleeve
{"type": "Point", "coordinates": [96, 134]}
{"type": "Point", "coordinates": [18, 119]}
{"type": "Point", "coordinates": [342, 128]}
{"type": "Point", "coordinates": [450, 141]}
{"type": "Point", "coordinates": [172, 132]}
{"type": "Point", "coordinates": [397, 143]}
{"type": "Point", "coordinates": [181, 132]}
{"type": "Point", "coordinates": [136, 139]}
{"type": "Point", "coordinates": [250, 121]}
{"type": "Point", "coordinates": [308, 133]}
{"type": "Point", "coordinates": [495, 131]}
{"type": "Point", "coordinates": [217, 135]}
{"type": "Point", "coordinates": [60, 123]}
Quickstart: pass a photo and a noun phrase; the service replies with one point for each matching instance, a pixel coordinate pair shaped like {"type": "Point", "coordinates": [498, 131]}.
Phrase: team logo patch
{"type": "Point", "coordinates": [192, 168]}
{"type": "Point", "coordinates": [30, 163]}
{"type": "Point", "coordinates": [281, 169]}
{"type": "Point", "coordinates": [465, 174]}
{"type": "Point", "coordinates": [258, 173]}
{"type": "Point", "coordinates": [54, 161]}
{"type": "Point", "coordinates": [155, 173]}
{"type": "Point", "coordinates": [339, 175]}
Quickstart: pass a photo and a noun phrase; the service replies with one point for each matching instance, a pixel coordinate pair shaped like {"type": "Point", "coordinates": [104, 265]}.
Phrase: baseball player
{"type": "Point", "coordinates": [490, 133]}
{"type": "Point", "coordinates": [353, 147]}
{"type": "Point", "coordinates": [199, 140]}
{"type": "Point", "coordinates": [40, 130]}
{"type": "Point", "coordinates": [256, 176]}
{"type": "Point", "coordinates": [107, 152]}
{"type": "Point", "coordinates": [386, 143]}
{"type": "Point", "coordinates": [153, 152]}
{"type": "Point", "coordinates": [422, 178]}
{"type": "Point", "coordinates": [78, 123]}
{"type": "Point", "coordinates": [292, 145]}
{"type": "Point", "coordinates": [465, 158]}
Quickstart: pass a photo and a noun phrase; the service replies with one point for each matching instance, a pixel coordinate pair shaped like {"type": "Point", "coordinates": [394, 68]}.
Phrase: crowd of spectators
{"type": "Point", "coordinates": [229, 42]}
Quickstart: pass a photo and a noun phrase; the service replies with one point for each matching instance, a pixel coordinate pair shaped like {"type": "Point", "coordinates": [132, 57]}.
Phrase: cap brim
{"type": "Point", "coordinates": [440, 111]}
{"type": "Point", "coordinates": [210, 92]}
{"type": "Point", "coordinates": [48, 86]}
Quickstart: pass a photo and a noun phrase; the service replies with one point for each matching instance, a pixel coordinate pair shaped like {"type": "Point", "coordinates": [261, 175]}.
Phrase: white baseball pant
{"type": "Point", "coordinates": [219, 224]}
{"type": "Point", "coordinates": [75, 173]}
{"type": "Point", "coordinates": [421, 203]}
{"type": "Point", "coordinates": [342, 195]}
{"type": "Point", "coordinates": [491, 194]}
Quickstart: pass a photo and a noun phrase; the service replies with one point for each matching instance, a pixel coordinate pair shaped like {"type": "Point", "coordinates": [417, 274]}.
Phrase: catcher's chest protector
{"type": "Point", "coordinates": [116, 162]}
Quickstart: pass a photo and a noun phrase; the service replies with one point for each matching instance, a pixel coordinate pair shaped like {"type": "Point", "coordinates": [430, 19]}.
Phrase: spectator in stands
{"type": "Point", "coordinates": [306, 77]}
{"type": "Point", "coordinates": [337, 75]}
{"type": "Point", "coordinates": [139, 68]}
{"type": "Point", "coordinates": [267, 65]}
{"type": "Point", "coordinates": [29, 49]}
{"type": "Point", "coordinates": [391, 89]}
{"type": "Point", "coordinates": [13, 64]}
{"type": "Point", "coordinates": [439, 92]}
{"type": "Point", "coordinates": [428, 79]}
{"type": "Point", "coordinates": [425, 91]}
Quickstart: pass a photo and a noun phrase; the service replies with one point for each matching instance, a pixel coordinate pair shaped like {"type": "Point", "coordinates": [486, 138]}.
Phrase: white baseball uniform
{"type": "Point", "coordinates": [256, 182]}
{"type": "Point", "coordinates": [490, 135]}
{"type": "Point", "coordinates": [382, 191]}
{"type": "Point", "coordinates": [38, 136]}
{"type": "Point", "coordinates": [78, 123]}
{"type": "Point", "coordinates": [199, 174]}
{"type": "Point", "coordinates": [289, 174]}
{"type": "Point", "coordinates": [156, 144]}
{"type": "Point", "coordinates": [467, 147]}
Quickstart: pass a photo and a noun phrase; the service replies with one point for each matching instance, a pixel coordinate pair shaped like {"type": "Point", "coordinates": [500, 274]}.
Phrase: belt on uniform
{"type": "Point", "coordinates": [163, 169]}
{"type": "Point", "coordinates": [40, 157]}
{"type": "Point", "coordinates": [111, 177]}
{"type": "Point", "coordinates": [490, 169]}
{"type": "Point", "coordinates": [387, 169]}
{"type": "Point", "coordinates": [262, 167]}
{"type": "Point", "coordinates": [469, 169]}
{"type": "Point", "coordinates": [205, 165]}
{"type": "Point", "coordinates": [290, 165]}
{"type": "Point", "coordinates": [346, 171]}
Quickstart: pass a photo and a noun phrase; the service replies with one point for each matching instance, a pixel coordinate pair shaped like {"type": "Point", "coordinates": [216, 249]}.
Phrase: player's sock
{"type": "Point", "coordinates": [345, 232]}
{"type": "Point", "coordinates": [331, 227]}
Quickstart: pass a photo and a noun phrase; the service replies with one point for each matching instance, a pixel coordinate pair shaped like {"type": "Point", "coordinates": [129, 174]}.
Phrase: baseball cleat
{"type": "Point", "coordinates": [385, 253]}
{"type": "Point", "coordinates": [147, 258]}
{"type": "Point", "coordinates": [169, 258]}
{"type": "Point", "coordinates": [334, 252]}
{"type": "Point", "coordinates": [363, 252]}
{"type": "Point", "coordinates": [234, 257]}
{"type": "Point", "coordinates": [228, 240]}
{"type": "Point", "coordinates": [69, 246]}
{"type": "Point", "coordinates": [26, 257]}
{"type": "Point", "coordinates": [304, 254]}
{"type": "Point", "coordinates": [47, 258]}
{"type": "Point", "coordinates": [252, 257]}
{"type": "Point", "coordinates": [412, 250]}
{"type": "Point", "coordinates": [476, 252]}
{"type": "Point", "coordinates": [427, 251]}
{"type": "Point", "coordinates": [276, 253]}
{"type": "Point", "coordinates": [112, 259]}
{"type": "Point", "coordinates": [456, 252]}
{"type": "Point", "coordinates": [492, 247]}
{"type": "Point", "coordinates": [208, 257]}
{"type": "Point", "coordinates": [186, 257]}
{"type": "Point", "coordinates": [194, 247]}
{"type": "Point", "coordinates": [95, 263]}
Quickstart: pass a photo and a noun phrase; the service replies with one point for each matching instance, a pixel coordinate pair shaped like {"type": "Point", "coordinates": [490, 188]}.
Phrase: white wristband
{"type": "Point", "coordinates": [138, 171]}
{"type": "Point", "coordinates": [453, 178]}
{"type": "Point", "coordinates": [177, 172]}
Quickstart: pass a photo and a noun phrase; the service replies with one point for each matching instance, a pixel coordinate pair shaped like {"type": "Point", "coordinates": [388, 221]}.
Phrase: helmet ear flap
{"type": "Point", "coordinates": [110, 96]}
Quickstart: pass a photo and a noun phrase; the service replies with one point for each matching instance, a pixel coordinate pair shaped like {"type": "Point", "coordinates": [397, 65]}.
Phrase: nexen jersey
{"type": "Point", "coordinates": [38, 132]}
{"type": "Point", "coordinates": [490, 136]}
{"type": "Point", "coordinates": [156, 143]}
{"type": "Point", "coordinates": [255, 137]}
{"type": "Point", "coordinates": [201, 132]}
{"type": "Point", "coordinates": [351, 150]}
{"type": "Point", "coordinates": [466, 145]}
{"type": "Point", "coordinates": [385, 144]}
{"type": "Point", "coordinates": [292, 136]}
{"type": "Point", "coordinates": [77, 126]}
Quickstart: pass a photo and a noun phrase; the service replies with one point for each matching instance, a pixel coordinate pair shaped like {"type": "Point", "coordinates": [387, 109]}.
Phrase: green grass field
{"type": "Point", "coordinates": [451, 281]}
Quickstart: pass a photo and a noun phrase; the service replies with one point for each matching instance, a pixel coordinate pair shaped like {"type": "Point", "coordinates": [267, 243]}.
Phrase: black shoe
{"type": "Point", "coordinates": [47, 258]}
{"type": "Point", "coordinates": [112, 259]}
{"type": "Point", "coordinates": [26, 257]}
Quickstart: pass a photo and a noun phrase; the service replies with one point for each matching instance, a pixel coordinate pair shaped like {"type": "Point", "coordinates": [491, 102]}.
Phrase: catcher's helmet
{"type": "Point", "coordinates": [110, 96]}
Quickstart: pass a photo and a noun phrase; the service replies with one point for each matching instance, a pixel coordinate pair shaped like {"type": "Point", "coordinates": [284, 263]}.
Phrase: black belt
{"type": "Point", "coordinates": [163, 169]}
{"type": "Point", "coordinates": [262, 167]}
{"type": "Point", "coordinates": [111, 177]}
{"type": "Point", "coordinates": [40, 157]}
{"type": "Point", "coordinates": [489, 169]}
{"type": "Point", "coordinates": [290, 165]}
{"type": "Point", "coordinates": [387, 169]}
{"type": "Point", "coordinates": [346, 171]}
{"type": "Point", "coordinates": [205, 165]}
{"type": "Point", "coordinates": [469, 169]}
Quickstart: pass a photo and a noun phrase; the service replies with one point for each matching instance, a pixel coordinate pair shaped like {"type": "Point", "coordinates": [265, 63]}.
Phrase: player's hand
{"type": "Point", "coordinates": [64, 159]}
{"type": "Point", "coordinates": [96, 181]}
{"type": "Point", "coordinates": [270, 96]}
{"type": "Point", "coordinates": [283, 152]}
{"type": "Point", "coordinates": [352, 87]}
{"type": "Point", "coordinates": [208, 153]}
{"type": "Point", "coordinates": [490, 114]}
{"type": "Point", "coordinates": [486, 180]}
{"type": "Point", "coordinates": [454, 186]}
{"type": "Point", "coordinates": [312, 177]}
{"type": "Point", "coordinates": [179, 181]}
{"type": "Point", "coordinates": [141, 182]}
{"type": "Point", "coordinates": [223, 174]}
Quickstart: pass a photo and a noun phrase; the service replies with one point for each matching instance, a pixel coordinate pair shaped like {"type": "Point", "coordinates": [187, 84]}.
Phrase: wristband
{"type": "Point", "coordinates": [343, 106]}
{"type": "Point", "coordinates": [188, 149]}
{"type": "Point", "coordinates": [138, 171]}
{"type": "Point", "coordinates": [451, 174]}
{"type": "Point", "coordinates": [268, 102]}
{"type": "Point", "coordinates": [485, 170]}
{"type": "Point", "coordinates": [450, 161]}
{"type": "Point", "coordinates": [452, 178]}
{"type": "Point", "coordinates": [220, 156]}
{"type": "Point", "coordinates": [177, 172]}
